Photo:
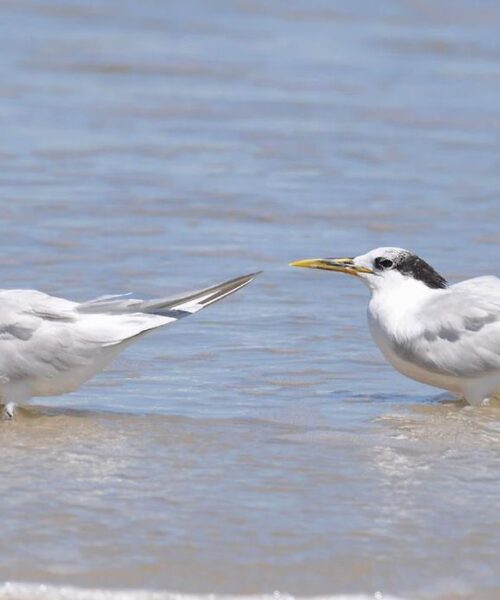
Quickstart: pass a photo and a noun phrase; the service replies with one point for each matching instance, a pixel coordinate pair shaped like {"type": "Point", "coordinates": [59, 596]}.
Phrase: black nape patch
{"type": "Point", "coordinates": [415, 267]}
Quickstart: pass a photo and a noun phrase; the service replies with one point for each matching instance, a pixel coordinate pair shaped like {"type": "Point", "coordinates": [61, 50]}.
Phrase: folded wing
{"type": "Point", "coordinates": [458, 331]}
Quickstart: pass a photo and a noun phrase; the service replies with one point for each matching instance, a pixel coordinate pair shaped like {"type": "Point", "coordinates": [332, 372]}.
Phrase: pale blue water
{"type": "Point", "coordinates": [157, 147]}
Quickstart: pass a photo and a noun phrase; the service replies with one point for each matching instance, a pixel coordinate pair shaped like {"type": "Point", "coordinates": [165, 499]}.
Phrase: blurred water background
{"type": "Point", "coordinates": [262, 445]}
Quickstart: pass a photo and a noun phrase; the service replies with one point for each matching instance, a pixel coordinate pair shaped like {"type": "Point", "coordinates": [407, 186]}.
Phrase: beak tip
{"type": "Point", "coordinates": [301, 263]}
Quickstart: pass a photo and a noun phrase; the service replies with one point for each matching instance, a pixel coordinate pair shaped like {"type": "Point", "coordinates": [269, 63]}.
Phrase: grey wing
{"type": "Point", "coordinates": [458, 332]}
{"type": "Point", "coordinates": [35, 335]}
{"type": "Point", "coordinates": [42, 336]}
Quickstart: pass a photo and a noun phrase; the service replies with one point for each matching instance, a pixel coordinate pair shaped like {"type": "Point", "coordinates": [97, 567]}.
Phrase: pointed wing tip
{"type": "Point", "coordinates": [228, 287]}
{"type": "Point", "coordinates": [244, 279]}
{"type": "Point", "coordinates": [251, 276]}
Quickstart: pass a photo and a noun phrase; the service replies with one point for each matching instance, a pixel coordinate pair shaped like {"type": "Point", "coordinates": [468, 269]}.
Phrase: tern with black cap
{"type": "Point", "coordinates": [447, 336]}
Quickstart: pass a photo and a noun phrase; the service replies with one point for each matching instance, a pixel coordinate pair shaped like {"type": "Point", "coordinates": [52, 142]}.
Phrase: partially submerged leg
{"type": "Point", "coordinates": [8, 411]}
{"type": "Point", "coordinates": [479, 396]}
{"type": "Point", "coordinates": [11, 396]}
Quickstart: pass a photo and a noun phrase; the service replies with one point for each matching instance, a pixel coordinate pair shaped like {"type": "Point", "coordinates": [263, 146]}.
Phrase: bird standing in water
{"type": "Point", "coordinates": [50, 346]}
{"type": "Point", "coordinates": [447, 336]}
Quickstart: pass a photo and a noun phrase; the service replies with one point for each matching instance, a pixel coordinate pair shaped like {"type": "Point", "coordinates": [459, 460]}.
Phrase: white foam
{"type": "Point", "coordinates": [33, 591]}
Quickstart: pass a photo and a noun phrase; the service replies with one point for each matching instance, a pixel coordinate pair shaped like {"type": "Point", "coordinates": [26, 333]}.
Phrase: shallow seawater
{"type": "Point", "coordinates": [262, 445]}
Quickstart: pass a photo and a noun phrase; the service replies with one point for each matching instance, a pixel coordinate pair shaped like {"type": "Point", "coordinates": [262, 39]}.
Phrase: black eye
{"type": "Point", "coordinates": [383, 263]}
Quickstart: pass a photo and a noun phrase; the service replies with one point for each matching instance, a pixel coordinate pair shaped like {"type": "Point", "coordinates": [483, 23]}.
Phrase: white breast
{"type": "Point", "coordinates": [391, 315]}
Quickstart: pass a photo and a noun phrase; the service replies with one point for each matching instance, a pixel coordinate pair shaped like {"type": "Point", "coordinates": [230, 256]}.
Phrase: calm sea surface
{"type": "Point", "coordinates": [262, 445]}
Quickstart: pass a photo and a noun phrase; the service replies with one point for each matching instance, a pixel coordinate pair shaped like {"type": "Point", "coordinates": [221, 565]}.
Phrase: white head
{"type": "Point", "coordinates": [382, 267]}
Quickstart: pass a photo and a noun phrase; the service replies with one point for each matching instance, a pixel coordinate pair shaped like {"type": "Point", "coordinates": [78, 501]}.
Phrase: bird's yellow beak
{"type": "Point", "coordinates": [341, 265]}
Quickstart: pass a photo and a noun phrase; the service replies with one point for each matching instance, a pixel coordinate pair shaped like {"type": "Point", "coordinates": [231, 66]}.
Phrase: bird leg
{"type": "Point", "coordinates": [8, 410]}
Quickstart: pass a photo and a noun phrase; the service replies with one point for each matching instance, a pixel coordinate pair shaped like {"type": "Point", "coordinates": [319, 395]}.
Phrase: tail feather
{"type": "Point", "coordinates": [193, 302]}
{"type": "Point", "coordinates": [172, 307]}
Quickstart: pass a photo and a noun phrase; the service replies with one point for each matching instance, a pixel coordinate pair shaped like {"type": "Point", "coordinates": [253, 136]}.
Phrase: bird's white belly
{"type": "Point", "coordinates": [72, 379]}
{"type": "Point", "coordinates": [412, 370]}
{"type": "Point", "coordinates": [64, 381]}
{"type": "Point", "coordinates": [476, 390]}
